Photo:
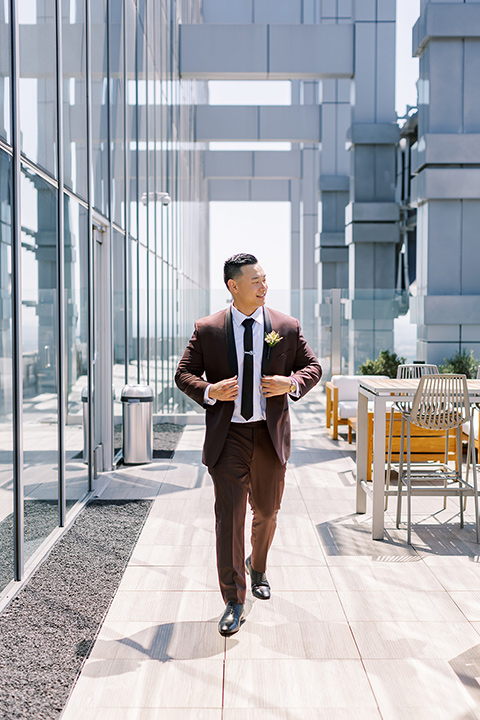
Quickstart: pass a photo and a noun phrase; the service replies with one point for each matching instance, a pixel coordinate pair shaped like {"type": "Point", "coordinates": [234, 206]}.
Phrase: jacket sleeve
{"type": "Point", "coordinates": [307, 370]}
{"type": "Point", "coordinates": [190, 370]}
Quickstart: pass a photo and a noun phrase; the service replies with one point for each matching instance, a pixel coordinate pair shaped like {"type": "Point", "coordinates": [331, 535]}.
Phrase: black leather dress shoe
{"type": "Point", "coordinates": [260, 585]}
{"type": "Point", "coordinates": [232, 619]}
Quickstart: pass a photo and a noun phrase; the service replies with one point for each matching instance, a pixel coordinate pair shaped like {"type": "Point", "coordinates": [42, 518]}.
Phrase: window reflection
{"type": "Point", "coordinates": [39, 339]}
{"type": "Point", "coordinates": [132, 300]}
{"type": "Point", "coordinates": [76, 338]}
{"type": "Point", "coordinates": [38, 119]}
{"type": "Point", "coordinates": [99, 90]}
{"type": "Point", "coordinates": [74, 97]}
{"type": "Point", "coordinates": [118, 331]}
{"type": "Point", "coordinates": [117, 109]}
{"type": "Point", "coordinates": [5, 71]}
{"type": "Point", "coordinates": [6, 437]}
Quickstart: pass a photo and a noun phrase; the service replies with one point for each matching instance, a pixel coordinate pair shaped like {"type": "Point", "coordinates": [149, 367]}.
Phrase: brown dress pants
{"type": "Point", "coordinates": [248, 467]}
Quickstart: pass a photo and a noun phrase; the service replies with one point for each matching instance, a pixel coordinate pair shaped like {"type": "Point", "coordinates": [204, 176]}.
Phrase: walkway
{"type": "Point", "coordinates": [355, 629]}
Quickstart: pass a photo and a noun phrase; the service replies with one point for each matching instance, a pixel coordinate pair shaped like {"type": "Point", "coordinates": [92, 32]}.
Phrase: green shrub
{"type": "Point", "coordinates": [462, 362]}
{"type": "Point", "coordinates": [386, 364]}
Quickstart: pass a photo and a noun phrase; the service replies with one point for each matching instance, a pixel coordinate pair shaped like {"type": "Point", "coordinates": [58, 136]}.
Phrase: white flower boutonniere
{"type": "Point", "coordinates": [272, 338]}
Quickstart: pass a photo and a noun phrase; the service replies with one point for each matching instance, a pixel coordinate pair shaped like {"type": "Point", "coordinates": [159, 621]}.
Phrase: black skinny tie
{"type": "Point", "coordinates": [247, 385]}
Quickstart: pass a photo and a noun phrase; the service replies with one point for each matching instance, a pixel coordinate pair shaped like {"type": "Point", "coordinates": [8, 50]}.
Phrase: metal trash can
{"type": "Point", "coordinates": [137, 410]}
{"type": "Point", "coordinates": [84, 397]}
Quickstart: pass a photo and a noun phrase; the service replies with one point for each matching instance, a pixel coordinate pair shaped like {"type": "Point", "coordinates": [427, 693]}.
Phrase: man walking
{"type": "Point", "coordinates": [252, 358]}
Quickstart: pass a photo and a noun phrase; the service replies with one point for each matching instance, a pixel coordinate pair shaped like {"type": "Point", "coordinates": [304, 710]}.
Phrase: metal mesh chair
{"type": "Point", "coordinates": [440, 403]}
{"type": "Point", "coordinates": [413, 370]}
{"type": "Point", "coordinates": [471, 437]}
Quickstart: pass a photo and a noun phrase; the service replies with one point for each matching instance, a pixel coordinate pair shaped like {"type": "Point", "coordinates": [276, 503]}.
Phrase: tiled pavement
{"type": "Point", "coordinates": [356, 629]}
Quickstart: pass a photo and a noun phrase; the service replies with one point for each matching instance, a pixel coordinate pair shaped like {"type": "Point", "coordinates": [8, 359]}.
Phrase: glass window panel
{"type": "Point", "coordinates": [132, 312]}
{"type": "Point", "coordinates": [142, 108]}
{"type": "Point", "coordinates": [6, 408]}
{"type": "Point", "coordinates": [118, 330]}
{"type": "Point", "coordinates": [117, 110]}
{"type": "Point", "coordinates": [5, 71]}
{"type": "Point", "coordinates": [131, 23]}
{"type": "Point", "coordinates": [38, 94]}
{"type": "Point", "coordinates": [151, 319]}
{"type": "Point", "coordinates": [143, 313]}
{"type": "Point", "coordinates": [99, 89]}
{"type": "Point", "coordinates": [76, 344]}
{"type": "Point", "coordinates": [74, 97]}
{"type": "Point", "coordinates": [39, 338]}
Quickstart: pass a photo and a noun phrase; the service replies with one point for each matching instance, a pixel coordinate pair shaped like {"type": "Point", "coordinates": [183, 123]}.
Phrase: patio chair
{"type": "Point", "coordinates": [440, 403]}
{"type": "Point", "coordinates": [411, 370]}
{"type": "Point", "coordinates": [475, 421]}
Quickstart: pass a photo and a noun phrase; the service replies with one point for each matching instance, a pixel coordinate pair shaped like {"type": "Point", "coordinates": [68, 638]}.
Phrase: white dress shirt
{"type": "Point", "coordinates": [258, 338]}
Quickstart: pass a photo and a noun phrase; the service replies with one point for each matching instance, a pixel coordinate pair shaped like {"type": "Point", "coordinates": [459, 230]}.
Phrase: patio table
{"type": "Point", "coordinates": [380, 392]}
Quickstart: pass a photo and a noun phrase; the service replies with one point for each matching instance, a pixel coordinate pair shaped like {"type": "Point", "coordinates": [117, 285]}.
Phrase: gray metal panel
{"type": "Point", "coordinates": [442, 148]}
{"type": "Point", "coordinates": [219, 11]}
{"type": "Point", "coordinates": [228, 164]}
{"type": "Point", "coordinates": [220, 51]}
{"type": "Point", "coordinates": [305, 51]}
{"type": "Point", "coordinates": [334, 182]}
{"type": "Point", "coordinates": [451, 309]}
{"type": "Point", "coordinates": [470, 255]}
{"type": "Point", "coordinates": [293, 123]}
{"type": "Point", "coordinates": [231, 122]}
{"type": "Point", "coordinates": [374, 133]}
{"type": "Point", "coordinates": [278, 164]}
{"type": "Point", "coordinates": [366, 10]}
{"type": "Point", "coordinates": [238, 164]}
{"type": "Point", "coordinates": [385, 70]}
{"type": "Point", "coordinates": [446, 184]}
{"type": "Point", "coordinates": [249, 190]}
{"type": "Point", "coordinates": [229, 191]}
{"type": "Point", "coordinates": [276, 11]}
{"type": "Point", "coordinates": [441, 251]}
{"type": "Point", "coordinates": [270, 190]}
{"type": "Point", "coordinates": [372, 212]}
{"type": "Point", "coordinates": [471, 94]}
{"type": "Point", "coordinates": [365, 71]}
{"type": "Point", "coordinates": [344, 119]}
{"type": "Point", "coordinates": [446, 86]}
{"type": "Point", "coordinates": [315, 51]}
{"type": "Point", "coordinates": [373, 233]}
{"type": "Point", "coordinates": [333, 254]}
{"type": "Point", "coordinates": [446, 20]}
{"type": "Point", "coordinates": [386, 10]}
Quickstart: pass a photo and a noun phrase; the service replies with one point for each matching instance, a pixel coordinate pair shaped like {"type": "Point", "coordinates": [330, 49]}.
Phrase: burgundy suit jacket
{"type": "Point", "coordinates": [211, 354]}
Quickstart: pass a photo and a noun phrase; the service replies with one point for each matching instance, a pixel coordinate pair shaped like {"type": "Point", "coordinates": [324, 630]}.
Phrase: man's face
{"type": "Point", "coordinates": [249, 289]}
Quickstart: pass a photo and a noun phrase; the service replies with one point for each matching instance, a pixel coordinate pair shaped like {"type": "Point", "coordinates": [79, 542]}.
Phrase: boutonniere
{"type": "Point", "coordinates": [272, 338]}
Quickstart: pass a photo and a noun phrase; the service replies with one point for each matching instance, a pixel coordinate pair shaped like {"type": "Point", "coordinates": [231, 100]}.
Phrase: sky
{"type": "Point", "coordinates": [264, 228]}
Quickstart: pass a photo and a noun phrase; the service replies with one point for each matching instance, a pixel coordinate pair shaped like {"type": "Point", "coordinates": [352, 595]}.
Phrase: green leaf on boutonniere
{"type": "Point", "coordinates": [272, 338]}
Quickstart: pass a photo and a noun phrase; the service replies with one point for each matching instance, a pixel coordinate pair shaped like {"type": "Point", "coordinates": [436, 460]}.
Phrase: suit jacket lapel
{"type": "Point", "coordinates": [267, 350]}
{"type": "Point", "coordinates": [231, 350]}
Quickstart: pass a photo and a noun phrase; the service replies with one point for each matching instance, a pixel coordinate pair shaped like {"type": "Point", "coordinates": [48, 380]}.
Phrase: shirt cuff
{"type": "Point", "coordinates": [207, 399]}
{"type": "Point", "coordinates": [295, 394]}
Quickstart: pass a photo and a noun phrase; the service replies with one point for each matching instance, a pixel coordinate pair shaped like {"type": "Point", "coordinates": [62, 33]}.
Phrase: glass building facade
{"type": "Point", "coordinates": [100, 283]}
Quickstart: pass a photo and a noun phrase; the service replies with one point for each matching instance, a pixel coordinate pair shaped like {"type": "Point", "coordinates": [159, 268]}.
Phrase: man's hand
{"type": "Point", "coordinates": [224, 390]}
{"type": "Point", "coordinates": [275, 385]}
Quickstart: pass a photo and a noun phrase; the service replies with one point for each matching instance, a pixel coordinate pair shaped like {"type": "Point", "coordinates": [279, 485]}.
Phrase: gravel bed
{"type": "Point", "coordinates": [166, 437]}
{"type": "Point", "coordinates": [48, 630]}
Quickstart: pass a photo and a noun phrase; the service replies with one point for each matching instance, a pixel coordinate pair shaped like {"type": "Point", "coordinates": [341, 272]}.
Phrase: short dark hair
{"type": "Point", "coordinates": [233, 266]}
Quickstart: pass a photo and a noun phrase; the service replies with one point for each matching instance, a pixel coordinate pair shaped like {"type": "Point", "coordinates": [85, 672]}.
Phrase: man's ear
{"type": "Point", "coordinates": [232, 285]}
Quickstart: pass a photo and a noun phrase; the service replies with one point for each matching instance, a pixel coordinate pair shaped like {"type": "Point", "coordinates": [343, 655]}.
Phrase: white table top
{"type": "Point", "coordinates": [388, 386]}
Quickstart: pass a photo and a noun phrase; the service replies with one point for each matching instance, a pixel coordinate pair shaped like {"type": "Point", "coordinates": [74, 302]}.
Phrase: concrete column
{"type": "Point", "coordinates": [446, 188]}
{"type": "Point", "coordinates": [372, 229]}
